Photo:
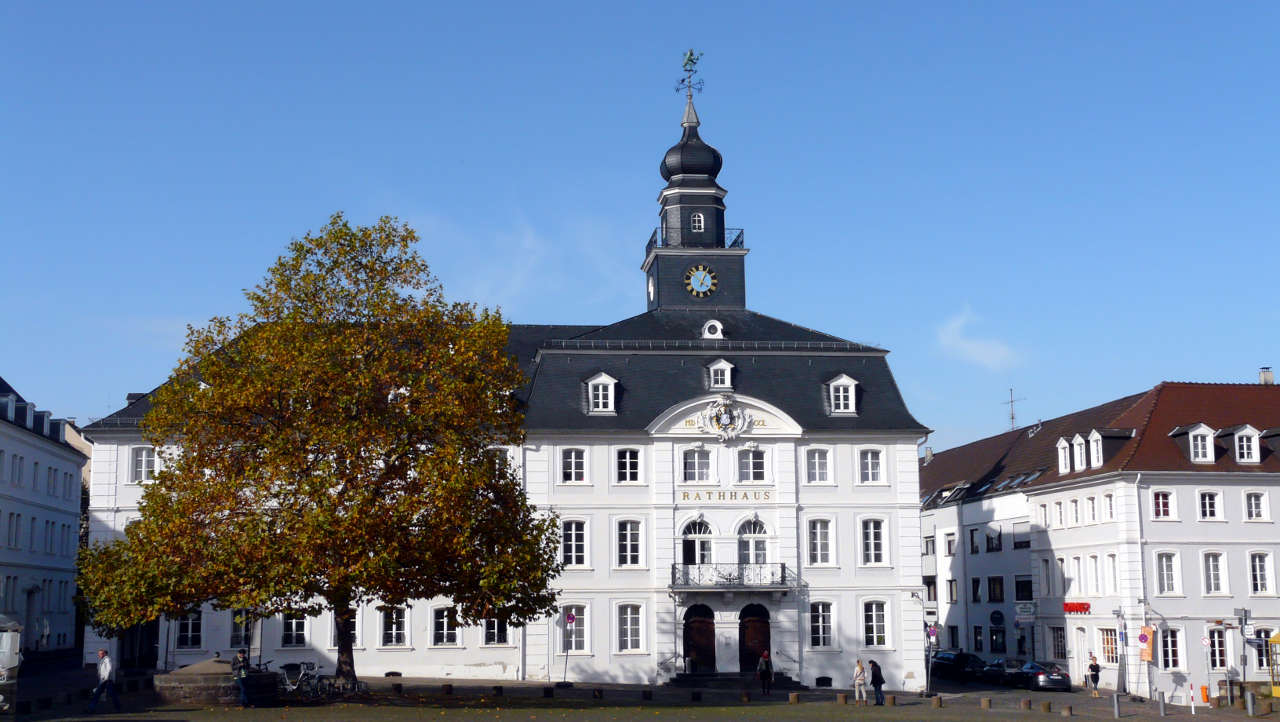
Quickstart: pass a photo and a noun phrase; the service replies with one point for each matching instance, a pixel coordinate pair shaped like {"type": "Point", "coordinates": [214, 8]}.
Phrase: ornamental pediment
{"type": "Point", "coordinates": [723, 417]}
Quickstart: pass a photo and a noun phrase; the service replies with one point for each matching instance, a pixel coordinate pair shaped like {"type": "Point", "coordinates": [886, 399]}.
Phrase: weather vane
{"type": "Point", "coordinates": [687, 83]}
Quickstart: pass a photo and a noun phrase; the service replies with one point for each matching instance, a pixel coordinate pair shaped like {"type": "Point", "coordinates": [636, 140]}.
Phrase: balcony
{"type": "Point", "coordinates": [733, 238]}
{"type": "Point", "coordinates": [731, 577]}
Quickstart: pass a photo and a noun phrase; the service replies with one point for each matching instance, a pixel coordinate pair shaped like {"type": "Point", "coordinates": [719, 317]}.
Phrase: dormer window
{"type": "Point", "coordinates": [1064, 456]}
{"type": "Point", "coordinates": [1246, 448]}
{"type": "Point", "coordinates": [1077, 445]}
{"type": "Point", "coordinates": [601, 394]}
{"type": "Point", "coordinates": [841, 395]}
{"type": "Point", "coordinates": [713, 329]}
{"type": "Point", "coordinates": [1200, 448]}
{"type": "Point", "coordinates": [696, 223]}
{"type": "Point", "coordinates": [721, 375]}
{"type": "Point", "coordinates": [1095, 449]}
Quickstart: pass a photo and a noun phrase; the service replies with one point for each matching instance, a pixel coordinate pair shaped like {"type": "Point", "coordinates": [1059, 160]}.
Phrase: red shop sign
{"type": "Point", "coordinates": [1075, 607]}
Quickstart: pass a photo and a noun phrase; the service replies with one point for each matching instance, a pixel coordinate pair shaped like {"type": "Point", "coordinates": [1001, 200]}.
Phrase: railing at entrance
{"type": "Point", "coordinates": [730, 576]}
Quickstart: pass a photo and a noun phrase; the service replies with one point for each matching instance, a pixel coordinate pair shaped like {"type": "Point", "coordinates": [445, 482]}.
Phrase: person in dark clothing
{"type": "Point", "coordinates": [764, 672]}
{"type": "Point", "coordinates": [877, 682]}
{"type": "Point", "coordinates": [240, 673]}
{"type": "Point", "coordinates": [1095, 670]}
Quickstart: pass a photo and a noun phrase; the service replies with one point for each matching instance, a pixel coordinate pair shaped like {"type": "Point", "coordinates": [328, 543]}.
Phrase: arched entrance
{"type": "Point", "coordinates": [753, 636]}
{"type": "Point", "coordinates": [699, 640]}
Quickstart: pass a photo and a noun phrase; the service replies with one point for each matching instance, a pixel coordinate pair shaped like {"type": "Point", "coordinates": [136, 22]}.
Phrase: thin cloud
{"type": "Point", "coordinates": [989, 353]}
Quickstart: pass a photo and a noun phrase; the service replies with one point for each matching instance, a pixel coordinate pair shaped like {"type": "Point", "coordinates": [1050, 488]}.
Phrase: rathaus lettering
{"type": "Point", "coordinates": [725, 496]}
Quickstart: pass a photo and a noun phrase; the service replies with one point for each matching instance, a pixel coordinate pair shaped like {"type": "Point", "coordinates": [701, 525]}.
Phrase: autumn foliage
{"type": "Point", "coordinates": [333, 447]}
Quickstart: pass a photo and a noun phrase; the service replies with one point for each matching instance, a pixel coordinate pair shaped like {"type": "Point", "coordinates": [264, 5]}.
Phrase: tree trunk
{"type": "Point", "coordinates": [343, 614]}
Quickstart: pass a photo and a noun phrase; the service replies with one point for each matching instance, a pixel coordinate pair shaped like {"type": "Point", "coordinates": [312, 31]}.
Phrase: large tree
{"type": "Point", "coordinates": [338, 444]}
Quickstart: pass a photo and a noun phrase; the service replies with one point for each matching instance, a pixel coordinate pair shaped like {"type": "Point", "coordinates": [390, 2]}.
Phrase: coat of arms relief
{"type": "Point", "coordinates": [724, 418]}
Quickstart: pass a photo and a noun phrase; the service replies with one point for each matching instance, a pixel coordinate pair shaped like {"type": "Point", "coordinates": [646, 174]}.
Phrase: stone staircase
{"type": "Point", "coordinates": [732, 680]}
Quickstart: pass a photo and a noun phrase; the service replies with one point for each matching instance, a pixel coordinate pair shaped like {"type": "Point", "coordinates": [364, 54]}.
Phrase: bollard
{"type": "Point", "coordinates": [1046, 707]}
{"type": "Point", "coordinates": [1161, 703]}
{"type": "Point", "coordinates": [890, 700]}
{"type": "Point", "coordinates": [548, 691]}
{"type": "Point", "coordinates": [695, 696]}
{"type": "Point", "coordinates": [1248, 703]}
{"type": "Point", "coordinates": [1024, 704]}
{"type": "Point", "coordinates": [497, 690]}
{"type": "Point", "coordinates": [646, 695]}
{"type": "Point", "coordinates": [793, 698]}
{"type": "Point", "coordinates": [842, 698]}
{"type": "Point", "coordinates": [1115, 706]}
{"type": "Point", "coordinates": [1066, 711]}
{"type": "Point", "coordinates": [937, 701]}
{"type": "Point", "coordinates": [985, 703]}
{"type": "Point", "coordinates": [745, 697]}
{"type": "Point", "coordinates": [447, 688]}
{"type": "Point", "coordinates": [597, 693]}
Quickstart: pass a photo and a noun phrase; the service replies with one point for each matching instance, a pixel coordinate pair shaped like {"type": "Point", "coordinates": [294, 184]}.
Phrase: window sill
{"type": "Point", "coordinates": [395, 648]}
{"type": "Point", "coordinates": [1213, 519]}
{"type": "Point", "coordinates": [753, 483]}
{"type": "Point", "coordinates": [820, 484]}
{"type": "Point", "coordinates": [1170, 595]}
{"type": "Point", "coordinates": [574, 654]}
{"type": "Point", "coordinates": [498, 646]}
{"type": "Point", "coordinates": [824, 650]}
{"type": "Point", "coordinates": [1164, 518]}
{"type": "Point", "coordinates": [826, 565]}
{"type": "Point", "coordinates": [1262, 595]}
{"type": "Point", "coordinates": [354, 648]}
{"type": "Point", "coordinates": [1257, 521]}
{"type": "Point", "coordinates": [602, 412]}
{"type": "Point", "coordinates": [640, 484]}
{"type": "Point", "coordinates": [574, 483]}
{"type": "Point", "coordinates": [575, 568]}
{"type": "Point", "coordinates": [1217, 594]}
{"type": "Point", "coordinates": [629, 568]}
{"type": "Point", "coordinates": [446, 646]}
{"type": "Point", "coordinates": [877, 565]}
{"type": "Point", "coordinates": [632, 653]}
{"type": "Point", "coordinates": [708, 482]}
{"type": "Point", "coordinates": [189, 650]}
{"type": "Point", "coordinates": [873, 483]}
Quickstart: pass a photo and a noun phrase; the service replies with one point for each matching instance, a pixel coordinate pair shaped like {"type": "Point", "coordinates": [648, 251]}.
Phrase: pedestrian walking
{"type": "Point", "coordinates": [877, 683]}
{"type": "Point", "coordinates": [1094, 671]}
{"type": "Point", "coordinates": [106, 682]}
{"type": "Point", "coordinates": [764, 672]}
{"type": "Point", "coordinates": [240, 673]}
{"type": "Point", "coordinates": [860, 684]}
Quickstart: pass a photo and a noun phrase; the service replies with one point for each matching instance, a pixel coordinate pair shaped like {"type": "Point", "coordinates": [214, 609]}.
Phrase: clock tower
{"type": "Point", "coordinates": [692, 260]}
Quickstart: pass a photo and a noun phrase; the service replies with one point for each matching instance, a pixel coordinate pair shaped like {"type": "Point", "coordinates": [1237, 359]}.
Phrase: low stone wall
{"type": "Point", "coordinates": [220, 689]}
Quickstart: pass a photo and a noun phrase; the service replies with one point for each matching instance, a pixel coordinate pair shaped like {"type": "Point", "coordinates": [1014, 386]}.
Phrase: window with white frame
{"type": "Point", "coordinates": [573, 466]}
{"type": "Point", "coordinates": [697, 223]}
{"type": "Point", "coordinates": [1259, 573]}
{"type": "Point", "coordinates": [1246, 447]}
{"type": "Point", "coordinates": [1201, 449]}
{"type": "Point", "coordinates": [1060, 519]}
{"type": "Point", "coordinates": [189, 630]}
{"type": "Point", "coordinates": [752, 542]}
{"type": "Point", "coordinates": [874, 625]}
{"type": "Point", "coordinates": [696, 542]}
{"type": "Point", "coordinates": [873, 541]}
{"type": "Point", "coordinates": [820, 628]}
{"type": "Point", "coordinates": [1095, 450]}
{"type": "Point", "coordinates": [1166, 573]}
{"type": "Point", "coordinates": [816, 466]}
{"type": "Point", "coordinates": [1162, 505]}
{"type": "Point", "coordinates": [601, 393]}
{"type": "Point", "coordinates": [241, 628]}
{"type": "Point", "coordinates": [1210, 509]}
{"type": "Point", "coordinates": [1109, 507]}
{"type": "Point", "coordinates": [1046, 578]}
{"type": "Point", "coordinates": [1078, 446]}
{"type": "Point", "coordinates": [444, 627]}
{"type": "Point", "coordinates": [1091, 509]}
{"type": "Point", "coordinates": [352, 628]}
{"type": "Point", "coordinates": [1263, 651]}
{"type": "Point", "coordinates": [144, 464]}
{"type": "Point", "coordinates": [1217, 648]}
{"type": "Point", "coordinates": [1075, 512]}
{"type": "Point", "coordinates": [573, 543]}
{"type": "Point", "coordinates": [819, 542]}
{"type": "Point", "coordinates": [1170, 649]}
{"type": "Point", "coordinates": [1255, 506]}
{"type": "Point", "coordinates": [628, 543]}
{"type": "Point", "coordinates": [495, 633]}
{"type": "Point", "coordinates": [1064, 457]}
{"type": "Point", "coordinates": [841, 391]}
{"type": "Point", "coordinates": [629, 628]}
{"type": "Point", "coordinates": [1113, 572]}
{"type": "Point", "coordinates": [393, 627]}
{"type": "Point", "coordinates": [1095, 578]}
{"type": "Point", "coordinates": [697, 465]}
{"type": "Point", "coordinates": [721, 374]}
{"type": "Point", "coordinates": [1110, 647]}
{"type": "Point", "coordinates": [1213, 578]}
{"type": "Point", "coordinates": [870, 466]}
{"type": "Point", "coordinates": [573, 628]}
{"type": "Point", "coordinates": [751, 466]}
{"type": "Point", "coordinates": [1058, 636]}
{"type": "Point", "coordinates": [627, 466]}
{"type": "Point", "coordinates": [293, 630]}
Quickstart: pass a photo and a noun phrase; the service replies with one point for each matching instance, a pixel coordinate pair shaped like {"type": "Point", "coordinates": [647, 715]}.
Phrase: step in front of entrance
{"type": "Point", "coordinates": [729, 680]}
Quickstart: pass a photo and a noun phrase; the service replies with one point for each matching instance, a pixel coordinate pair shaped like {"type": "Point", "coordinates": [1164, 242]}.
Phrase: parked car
{"type": "Point", "coordinates": [1001, 670]}
{"type": "Point", "coordinates": [1042, 675]}
{"type": "Point", "coordinates": [960, 666]}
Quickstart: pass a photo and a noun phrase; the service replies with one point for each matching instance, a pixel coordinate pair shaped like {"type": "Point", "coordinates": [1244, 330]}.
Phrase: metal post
{"type": "Point", "coordinates": [1161, 693]}
{"type": "Point", "coordinates": [1115, 706]}
{"type": "Point", "coordinates": [1248, 703]}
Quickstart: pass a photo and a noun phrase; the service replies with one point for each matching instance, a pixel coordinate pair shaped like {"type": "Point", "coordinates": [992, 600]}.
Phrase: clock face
{"type": "Point", "coordinates": [700, 281]}
{"type": "Point", "coordinates": [650, 288]}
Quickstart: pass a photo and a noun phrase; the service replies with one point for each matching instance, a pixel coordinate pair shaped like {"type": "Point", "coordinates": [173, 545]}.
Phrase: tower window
{"type": "Point", "coordinates": [696, 223]}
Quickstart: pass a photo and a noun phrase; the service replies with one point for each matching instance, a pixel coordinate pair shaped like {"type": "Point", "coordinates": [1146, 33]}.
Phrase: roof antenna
{"type": "Point", "coordinates": [1013, 416]}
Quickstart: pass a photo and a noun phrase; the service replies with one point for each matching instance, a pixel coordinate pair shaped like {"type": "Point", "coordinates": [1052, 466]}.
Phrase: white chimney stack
{"type": "Point", "coordinates": [1265, 376]}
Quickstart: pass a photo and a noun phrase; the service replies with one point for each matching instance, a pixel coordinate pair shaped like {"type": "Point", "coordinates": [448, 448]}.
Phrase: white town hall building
{"type": "Point", "coordinates": [727, 483]}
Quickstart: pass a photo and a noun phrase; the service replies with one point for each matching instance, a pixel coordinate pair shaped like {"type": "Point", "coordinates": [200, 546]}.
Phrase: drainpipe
{"type": "Point", "coordinates": [1142, 577]}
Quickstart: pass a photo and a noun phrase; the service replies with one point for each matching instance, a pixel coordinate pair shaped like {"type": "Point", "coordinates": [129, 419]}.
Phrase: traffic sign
{"type": "Point", "coordinates": [933, 630]}
{"type": "Point", "coordinates": [1143, 638]}
{"type": "Point", "coordinates": [1204, 641]}
{"type": "Point", "coordinates": [569, 618]}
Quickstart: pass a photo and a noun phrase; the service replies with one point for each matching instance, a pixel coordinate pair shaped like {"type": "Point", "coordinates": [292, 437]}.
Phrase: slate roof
{"type": "Point", "coordinates": [1003, 463]}
{"type": "Point", "coordinates": [28, 409]}
{"type": "Point", "coordinates": [5, 388]}
{"type": "Point", "coordinates": [742, 328]}
{"type": "Point", "coordinates": [125, 418]}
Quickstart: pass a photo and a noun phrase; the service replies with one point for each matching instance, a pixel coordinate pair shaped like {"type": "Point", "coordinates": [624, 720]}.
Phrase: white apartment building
{"type": "Point", "coordinates": [728, 483]}
{"type": "Point", "coordinates": [40, 516]}
{"type": "Point", "coordinates": [1150, 515]}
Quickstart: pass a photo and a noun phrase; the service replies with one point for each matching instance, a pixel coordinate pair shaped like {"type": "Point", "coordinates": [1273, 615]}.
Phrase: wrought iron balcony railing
{"type": "Point", "coordinates": [731, 576]}
{"type": "Point", "coordinates": [733, 238]}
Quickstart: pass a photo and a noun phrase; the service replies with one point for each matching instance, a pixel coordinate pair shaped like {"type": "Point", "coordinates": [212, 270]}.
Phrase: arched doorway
{"type": "Point", "coordinates": [699, 640]}
{"type": "Point", "coordinates": [753, 637]}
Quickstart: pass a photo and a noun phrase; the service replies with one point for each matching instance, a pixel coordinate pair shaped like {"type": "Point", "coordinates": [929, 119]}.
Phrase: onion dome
{"type": "Point", "coordinates": [691, 156]}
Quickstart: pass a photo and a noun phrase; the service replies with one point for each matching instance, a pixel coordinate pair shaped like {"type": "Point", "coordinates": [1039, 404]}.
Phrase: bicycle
{"type": "Point", "coordinates": [301, 678]}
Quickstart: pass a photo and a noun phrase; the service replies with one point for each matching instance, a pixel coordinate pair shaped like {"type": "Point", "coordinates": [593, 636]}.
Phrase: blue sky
{"type": "Point", "coordinates": [1077, 200]}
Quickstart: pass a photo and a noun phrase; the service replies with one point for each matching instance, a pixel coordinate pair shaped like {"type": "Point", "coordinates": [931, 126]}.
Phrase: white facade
{"type": "Point", "coordinates": [626, 582]}
{"type": "Point", "coordinates": [40, 516]}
